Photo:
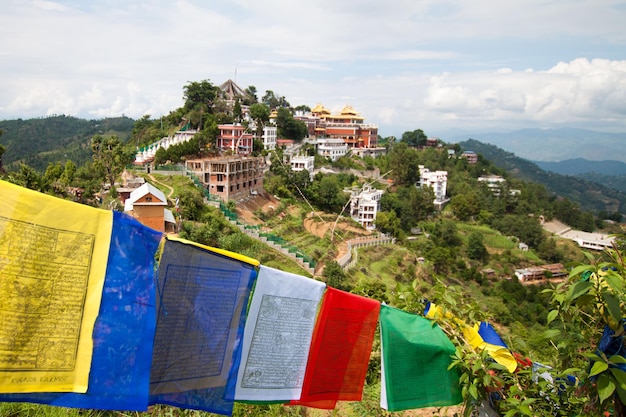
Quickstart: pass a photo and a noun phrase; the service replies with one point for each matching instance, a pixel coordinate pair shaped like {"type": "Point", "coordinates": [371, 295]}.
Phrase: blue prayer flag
{"type": "Point", "coordinates": [202, 294]}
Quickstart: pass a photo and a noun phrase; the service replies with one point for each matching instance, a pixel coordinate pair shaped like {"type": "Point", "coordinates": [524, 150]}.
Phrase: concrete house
{"type": "Point", "coordinates": [147, 204]}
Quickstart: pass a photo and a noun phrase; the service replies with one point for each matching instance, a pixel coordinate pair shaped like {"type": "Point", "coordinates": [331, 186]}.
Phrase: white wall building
{"type": "Point", "coordinates": [302, 162]}
{"type": "Point", "coordinates": [495, 184]}
{"type": "Point", "coordinates": [270, 133]}
{"type": "Point", "coordinates": [146, 154]}
{"type": "Point", "coordinates": [333, 148]}
{"type": "Point", "coordinates": [364, 205]}
{"type": "Point", "coordinates": [438, 181]}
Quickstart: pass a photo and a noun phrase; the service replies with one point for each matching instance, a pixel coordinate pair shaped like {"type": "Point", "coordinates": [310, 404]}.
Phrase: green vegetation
{"type": "Point", "coordinates": [39, 142]}
{"type": "Point", "coordinates": [463, 257]}
{"type": "Point", "coordinates": [590, 196]}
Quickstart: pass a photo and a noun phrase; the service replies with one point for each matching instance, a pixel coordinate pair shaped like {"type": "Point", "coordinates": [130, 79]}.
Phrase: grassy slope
{"type": "Point", "coordinates": [388, 264]}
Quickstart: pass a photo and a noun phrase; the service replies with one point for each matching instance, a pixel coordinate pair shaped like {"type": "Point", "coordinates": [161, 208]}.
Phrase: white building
{"type": "Point", "coordinates": [270, 133]}
{"type": "Point", "coordinates": [301, 163]}
{"type": "Point", "coordinates": [493, 181]}
{"type": "Point", "coordinates": [495, 184]}
{"type": "Point", "coordinates": [364, 205]}
{"type": "Point", "coordinates": [146, 154]}
{"type": "Point", "coordinates": [333, 148]}
{"type": "Point", "coordinates": [438, 181]}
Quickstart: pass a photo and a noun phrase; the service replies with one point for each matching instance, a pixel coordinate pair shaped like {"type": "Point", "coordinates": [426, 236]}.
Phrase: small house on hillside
{"type": "Point", "coordinates": [147, 204]}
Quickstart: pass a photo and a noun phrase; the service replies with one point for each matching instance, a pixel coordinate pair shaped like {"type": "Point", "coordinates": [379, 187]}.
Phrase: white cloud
{"type": "Point", "coordinates": [407, 64]}
{"type": "Point", "coordinates": [578, 91]}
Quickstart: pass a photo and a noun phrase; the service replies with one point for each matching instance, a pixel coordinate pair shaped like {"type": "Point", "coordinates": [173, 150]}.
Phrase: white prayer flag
{"type": "Point", "coordinates": [277, 336]}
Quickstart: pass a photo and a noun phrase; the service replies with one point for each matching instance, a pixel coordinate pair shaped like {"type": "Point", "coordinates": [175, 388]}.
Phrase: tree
{"type": "Point", "coordinates": [273, 101]}
{"type": "Point", "coordinates": [260, 113]}
{"type": "Point", "coordinates": [237, 111]}
{"type": "Point", "coordinates": [191, 204]}
{"type": "Point", "coordinates": [465, 206]}
{"type": "Point", "coordinates": [527, 229]}
{"type": "Point", "coordinates": [303, 108]}
{"type": "Point", "coordinates": [410, 203]}
{"type": "Point", "coordinates": [335, 276]}
{"type": "Point", "coordinates": [110, 156]}
{"type": "Point", "coordinates": [327, 193]}
{"type": "Point", "coordinates": [414, 138]}
{"type": "Point", "coordinates": [69, 171]}
{"type": "Point", "coordinates": [475, 248]}
{"type": "Point", "coordinates": [53, 172]}
{"type": "Point", "coordinates": [299, 180]}
{"type": "Point", "coordinates": [200, 92]}
{"type": "Point", "coordinates": [161, 156]}
{"type": "Point", "coordinates": [404, 164]}
{"type": "Point", "coordinates": [440, 258]}
{"type": "Point", "coordinates": [589, 312]}
{"type": "Point", "coordinates": [388, 222]}
{"type": "Point", "coordinates": [29, 178]}
{"type": "Point", "coordinates": [251, 97]}
{"type": "Point", "coordinates": [288, 127]}
{"type": "Point", "coordinates": [445, 234]}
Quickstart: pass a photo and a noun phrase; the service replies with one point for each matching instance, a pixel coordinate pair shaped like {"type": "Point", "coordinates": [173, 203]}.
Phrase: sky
{"type": "Point", "coordinates": [443, 66]}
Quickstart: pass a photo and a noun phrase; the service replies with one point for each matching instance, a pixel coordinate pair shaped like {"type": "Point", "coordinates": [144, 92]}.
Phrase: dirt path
{"type": "Point", "coordinates": [313, 222]}
{"type": "Point", "coordinates": [171, 190]}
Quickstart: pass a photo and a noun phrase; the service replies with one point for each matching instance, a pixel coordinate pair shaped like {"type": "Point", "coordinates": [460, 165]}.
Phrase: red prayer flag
{"type": "Point", "coordinates": [340, 350]}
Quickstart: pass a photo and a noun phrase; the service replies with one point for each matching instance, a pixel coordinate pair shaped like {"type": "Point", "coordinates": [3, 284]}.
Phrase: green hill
{"type": "Point", "coordinates": [589, 195]}
{"type": "Point", "coordinates": [38, 142]}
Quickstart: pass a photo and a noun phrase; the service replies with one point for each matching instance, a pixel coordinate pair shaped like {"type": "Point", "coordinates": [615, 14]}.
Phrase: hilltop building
{"type": "Point", "coordinates": [146, 154]}
{"type": "Point", "coordinates": [235, 138]}
{"type": "Point", "coordinates": [303, 163]}
{"type": "Point", "coordinates": [331, 148]}
{"type": "Point", "coordinates": [495, 184]}
{"type": "Point", "coordinates": [471, 156]}
{"type": "Point", "coordinates": [270, 136]}
{"type": "Point", "coordinates": [336, 134]}
{"type": "Point", "coordinates": [586, 240]}
{"type": "Point", "coordinates": [438, 181]}
{"type": "Point", "coordinates": [364, 205]}
{"type": "Point", "coordinates": [230, 177]}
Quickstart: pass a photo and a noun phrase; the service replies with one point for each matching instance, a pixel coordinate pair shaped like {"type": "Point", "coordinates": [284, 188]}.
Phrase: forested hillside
{"type": "Point", "coordinates": [39, 142]}
{"type": "Point", "coordinates": [462, 256]}
{"type": "Point", "coordinates": [589, 195]}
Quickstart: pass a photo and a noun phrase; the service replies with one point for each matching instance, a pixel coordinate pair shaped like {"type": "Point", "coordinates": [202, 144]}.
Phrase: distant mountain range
{"type": "Point", "coordinates": [583, 166]}
{"type": "Point", "coordinates": [555, 144]}
{"type": "Point", "coordinates": [590, 195]}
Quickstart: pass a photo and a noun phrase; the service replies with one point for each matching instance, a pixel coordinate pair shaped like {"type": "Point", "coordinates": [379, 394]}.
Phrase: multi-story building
{"type": "Point", "coordinates": [364, 205]}
{"type": "Point", "coordinates": [347, 125]}
{"type": "Point", "coordinates": [230, 177]}
{"type": "Point", "coordinates": [332, 148]}
{"type": "Point", "coordinates": [438, 181]}
{"type": "Point", "coordinates": [270, 135]}
{"type": "Point", "coordinates": [236, 138]}
{"type": "Point", "coordinates": [471, 156]}
{"type": "Point", "coordinates": [302, 163]}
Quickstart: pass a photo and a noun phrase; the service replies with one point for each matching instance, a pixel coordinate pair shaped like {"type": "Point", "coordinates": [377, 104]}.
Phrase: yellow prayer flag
{"type": "Point", "coordinates": [500, 354]}
{"type": "Point", "coordinates": [53, 259]}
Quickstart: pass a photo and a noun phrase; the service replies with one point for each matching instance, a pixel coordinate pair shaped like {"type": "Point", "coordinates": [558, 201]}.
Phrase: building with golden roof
{"type": "Point", "coordinates": [347, 125]}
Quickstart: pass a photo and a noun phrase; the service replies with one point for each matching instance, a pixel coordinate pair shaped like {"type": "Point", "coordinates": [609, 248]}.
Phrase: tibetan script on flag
{"type": "Point", "coordinates": [52, 264]}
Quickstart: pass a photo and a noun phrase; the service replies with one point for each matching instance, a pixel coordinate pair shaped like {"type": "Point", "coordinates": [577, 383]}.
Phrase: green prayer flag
{"type": "Point", "coordinates": [415, 358]}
